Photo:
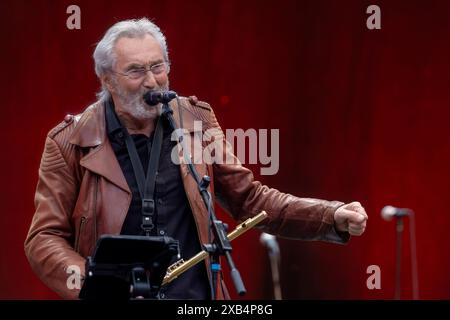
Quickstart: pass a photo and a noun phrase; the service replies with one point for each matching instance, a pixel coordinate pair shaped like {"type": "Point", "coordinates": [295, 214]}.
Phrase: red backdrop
{"type": "Point", "coordinates": [363, 115]}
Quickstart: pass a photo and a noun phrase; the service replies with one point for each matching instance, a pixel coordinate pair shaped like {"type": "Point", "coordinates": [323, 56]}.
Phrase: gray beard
{"type": "Point", "coordinates": [134, 104]}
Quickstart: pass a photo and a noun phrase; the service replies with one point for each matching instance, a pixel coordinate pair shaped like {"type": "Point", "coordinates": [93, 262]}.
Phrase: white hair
{"type": "Point", "coordinates": [104, 55]}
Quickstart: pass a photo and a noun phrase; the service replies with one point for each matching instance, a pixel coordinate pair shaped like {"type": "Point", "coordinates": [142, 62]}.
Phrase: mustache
{"type": "Point", "coordinates": [137, 97]}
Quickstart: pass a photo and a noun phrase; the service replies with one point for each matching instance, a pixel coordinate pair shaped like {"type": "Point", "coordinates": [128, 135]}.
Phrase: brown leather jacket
{"type": "Point", "coordinates": [82, 194]}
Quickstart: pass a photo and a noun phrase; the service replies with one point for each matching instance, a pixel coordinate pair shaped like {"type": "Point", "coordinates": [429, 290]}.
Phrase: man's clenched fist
{"type": "Point", "coordinates": [351, 217]}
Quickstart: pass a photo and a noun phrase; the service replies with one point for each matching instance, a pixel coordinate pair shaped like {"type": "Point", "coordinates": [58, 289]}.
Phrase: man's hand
{"type": "Point", "coordinates": [351, 217]}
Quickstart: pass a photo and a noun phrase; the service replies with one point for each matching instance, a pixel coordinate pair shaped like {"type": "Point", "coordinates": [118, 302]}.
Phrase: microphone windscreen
{"type": "Point", "coordinates": [388, 212]}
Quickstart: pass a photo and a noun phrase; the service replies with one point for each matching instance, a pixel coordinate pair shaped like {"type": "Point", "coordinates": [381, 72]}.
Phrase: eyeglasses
{"type": "Point", "coordinates": [141, 72]}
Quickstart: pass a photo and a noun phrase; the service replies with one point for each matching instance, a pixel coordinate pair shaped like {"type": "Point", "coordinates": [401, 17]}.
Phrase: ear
{"type": "Point", "coordinates": [107, 82]}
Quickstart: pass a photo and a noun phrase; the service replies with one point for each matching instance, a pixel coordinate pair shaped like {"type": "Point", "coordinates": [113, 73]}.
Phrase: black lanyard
{"type": "Point", "coordinates": [147, 187]}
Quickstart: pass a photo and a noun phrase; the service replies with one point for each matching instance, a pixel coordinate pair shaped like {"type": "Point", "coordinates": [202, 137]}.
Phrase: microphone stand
{"type": "Point", "coordinates": [413, 253]}
{"type": "Point", "coordinates": [274, 266]}
{"type": "Point", "coordinates": [398, 264]}
{"type": "Point", "coordinates": [221, 245]}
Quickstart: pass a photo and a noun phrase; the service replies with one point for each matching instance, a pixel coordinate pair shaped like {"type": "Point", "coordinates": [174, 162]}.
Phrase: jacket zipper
{"type": "Point", "coordinates": [77, 242]}
{"type": "Point", "coordinates": [95, 209]}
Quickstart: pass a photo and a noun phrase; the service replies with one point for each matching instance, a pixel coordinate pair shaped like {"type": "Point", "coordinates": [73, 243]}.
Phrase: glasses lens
{"type": "Point", "coordinates": [136, 73]}
{"type": "Point", "coordinates": [158, 68]}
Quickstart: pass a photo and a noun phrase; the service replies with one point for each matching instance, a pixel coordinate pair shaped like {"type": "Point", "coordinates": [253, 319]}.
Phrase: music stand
{"type": "Point", "coordinates": [127, 267]}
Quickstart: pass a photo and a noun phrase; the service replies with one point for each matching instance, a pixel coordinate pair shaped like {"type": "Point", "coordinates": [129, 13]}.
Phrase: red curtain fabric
{"type": "Point", "coordinates": [363, 115]}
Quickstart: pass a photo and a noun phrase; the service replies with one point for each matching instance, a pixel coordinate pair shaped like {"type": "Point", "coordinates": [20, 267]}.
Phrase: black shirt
{"type": "Point", "coordinates": [173, 215]}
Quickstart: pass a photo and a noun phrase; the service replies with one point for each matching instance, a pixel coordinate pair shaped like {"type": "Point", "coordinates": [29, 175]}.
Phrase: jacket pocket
{"type": "Point", "coordinates": [80, 232]}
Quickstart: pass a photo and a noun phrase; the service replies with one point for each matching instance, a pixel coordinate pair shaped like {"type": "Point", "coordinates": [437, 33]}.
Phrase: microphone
{"type": "Point", "coordinates": [152, 98]}
{"type": "Point", "coordinates": [270, 242]}
{"type": "Point", "coordinates": [388, 212]}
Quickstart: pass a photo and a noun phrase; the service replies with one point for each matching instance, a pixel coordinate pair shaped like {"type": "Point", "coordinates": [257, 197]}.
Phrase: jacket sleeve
{"type": "Point", "coordinates": [289, 216]}
{"type": "Point", "coordinates": [48, 243]}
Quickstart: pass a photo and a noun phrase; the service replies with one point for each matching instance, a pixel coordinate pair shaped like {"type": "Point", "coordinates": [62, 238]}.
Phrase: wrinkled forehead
{"type": "Point", "coordinates": [140, 50]}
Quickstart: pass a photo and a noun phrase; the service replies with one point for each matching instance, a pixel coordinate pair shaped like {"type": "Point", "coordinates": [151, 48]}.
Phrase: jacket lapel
{"type": "Point", "coordinates": [90, 132]}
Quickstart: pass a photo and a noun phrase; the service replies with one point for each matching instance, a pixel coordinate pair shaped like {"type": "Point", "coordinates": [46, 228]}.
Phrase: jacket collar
{"type": "Point", "coordinates": [91, 131]}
